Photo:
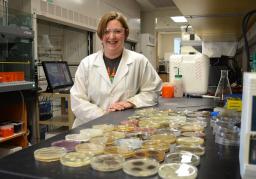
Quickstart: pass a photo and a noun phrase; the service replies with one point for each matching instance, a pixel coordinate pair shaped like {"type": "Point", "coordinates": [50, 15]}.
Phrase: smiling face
{"type": "Point", "coordinates": [113, 39]}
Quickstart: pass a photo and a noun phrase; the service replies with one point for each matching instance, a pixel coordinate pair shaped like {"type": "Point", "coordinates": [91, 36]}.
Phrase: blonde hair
{"type": "Point", "coordinates": [112, 15]}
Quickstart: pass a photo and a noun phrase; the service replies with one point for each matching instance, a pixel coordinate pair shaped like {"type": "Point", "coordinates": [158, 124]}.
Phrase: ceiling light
{"type": "Point", "coordinates": [179, 19]}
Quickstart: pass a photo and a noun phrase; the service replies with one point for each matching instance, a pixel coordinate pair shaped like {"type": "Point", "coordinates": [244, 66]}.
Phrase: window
{"type": "Point", "coordinates": [177, 42]}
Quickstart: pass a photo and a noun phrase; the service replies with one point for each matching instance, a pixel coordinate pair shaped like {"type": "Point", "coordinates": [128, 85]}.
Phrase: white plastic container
{"type": "Point", "coordinates": [178, 86]}
{"type": "Point", "coordinates": [195, 72]}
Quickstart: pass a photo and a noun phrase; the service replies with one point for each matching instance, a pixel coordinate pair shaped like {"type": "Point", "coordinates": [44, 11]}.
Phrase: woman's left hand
{"type": "Point", "coordinates": [120, 106]}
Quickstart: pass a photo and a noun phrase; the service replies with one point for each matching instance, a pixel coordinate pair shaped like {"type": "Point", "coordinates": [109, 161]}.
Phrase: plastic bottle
{"type": "Point", "coordinates": [178, 85]}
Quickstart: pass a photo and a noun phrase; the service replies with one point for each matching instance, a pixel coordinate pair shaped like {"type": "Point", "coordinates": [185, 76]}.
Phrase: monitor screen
{"type": "Point", "coordinates": [57, 74]}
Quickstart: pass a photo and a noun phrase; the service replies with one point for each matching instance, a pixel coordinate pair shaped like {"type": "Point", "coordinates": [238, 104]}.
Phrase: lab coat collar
{"type": "Point", "coordinates": [101, 68]}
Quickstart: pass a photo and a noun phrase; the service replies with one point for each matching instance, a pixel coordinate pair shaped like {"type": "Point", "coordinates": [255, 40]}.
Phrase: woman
{"type": "Point", "coordinates": [114, 78]}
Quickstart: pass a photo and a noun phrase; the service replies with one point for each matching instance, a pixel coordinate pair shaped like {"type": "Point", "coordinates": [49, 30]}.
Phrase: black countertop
{"type": "Point", "coordinates": [219, 162]}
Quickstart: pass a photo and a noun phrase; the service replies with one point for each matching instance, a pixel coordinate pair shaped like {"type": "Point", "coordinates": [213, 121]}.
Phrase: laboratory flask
{"type": "Point", "coordinates": [223, 88]}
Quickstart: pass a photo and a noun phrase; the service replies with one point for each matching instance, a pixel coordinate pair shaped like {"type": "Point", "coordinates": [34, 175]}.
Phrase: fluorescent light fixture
{"type": "Point", "coordinates": [179, 19]}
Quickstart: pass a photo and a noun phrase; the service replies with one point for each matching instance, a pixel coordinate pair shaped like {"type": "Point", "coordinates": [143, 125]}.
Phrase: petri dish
{"type": "Point", "coordinates": [141, 167]}
{"type": "Point", "coordinates": [182, 157]}
{"type": "Point", "coordinates": [92, 132]}
{"type": "Point", "coordinates": [102, 140]}
{"type": "Point", "coordinates": [195, 149]}
{"type": "Point", "coordinates": [49, 154]}
{"type": "Point", "coordinates": [190, 141]}
{"type": "Point", "coordinates": [166, 138]}
{"type": "Point", "coordinates": [112, 136]}
{"type": "Point", "coordinates": [130, 122]}
{"type": "Point", "coordinates": [90, 148]}
{"type": "Point", "coordinates": [75, 159]}
{"type": "Point", "coordinates": [130, 143]}
{"type": "Point", "coordinates": [177, 171]}
{"type": "Point", "coordinates": [104, 127]}
{"type": "Point", "coordinates": [193, 134]}
{"type": "Point", "coordinates": [168, 130]}
{"type": "Point", "coordinates": [124, 128]}
{"type": "Point", "coordinates": [191, 128]}
{"type": "Point", "coordinates": [123, 151]}
{"type": "Point", "coordinates": [149, 124]}
{"type": "Point", "coordinates": [107, 162]}
{"type": "Point", "coordinates": [68, 145]}
{"type": "Point", "coordinates": [229, 136]}
{"type": "Point", "coordinates": [143, 132]}
{"type": "Point", "coordinates": [140, 135]}
{"type": "Point", "coordinates": [158, 155]}
{"type": "Point", "coordinates": [198, 114]}
{"type": "Point", "coordinates": [77, 137]}
{"type": "Point", "coordinates": [197, 121]}
{"type": "Point", "coordinates": [156, 144]}
{"type": "Point", "coordinates": [178, 118]}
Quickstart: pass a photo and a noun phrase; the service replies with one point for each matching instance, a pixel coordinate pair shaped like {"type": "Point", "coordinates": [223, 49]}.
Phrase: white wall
{"type": "Point", "coordinates": [166, 43]}
{"type": "Point", "coordinates": [163, 23]}
{"type": "Point", "coordinates": [21, 5]}
{"type": "Point", "coordinates": [148, 23]}
{"type": "Point", "coordinates": [159, 21]}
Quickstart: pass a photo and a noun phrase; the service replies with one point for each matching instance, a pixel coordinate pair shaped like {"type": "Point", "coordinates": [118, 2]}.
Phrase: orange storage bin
{"type": "Point", "coordinates": [6, 131]}
{"type": "Point", "coordinates": [168, 91]}
{"type": "Point", "coordinates": [12, 76]}
{"type": "Point", "coordinates": [19, 76]}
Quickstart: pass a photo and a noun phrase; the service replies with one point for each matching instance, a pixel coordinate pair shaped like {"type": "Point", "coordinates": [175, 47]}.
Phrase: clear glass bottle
{"type": "Point", "coordinates": [223, 88]}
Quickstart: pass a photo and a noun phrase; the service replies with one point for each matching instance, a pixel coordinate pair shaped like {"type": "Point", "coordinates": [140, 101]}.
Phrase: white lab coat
{"type": "Point", "coordinates": [135, 80]}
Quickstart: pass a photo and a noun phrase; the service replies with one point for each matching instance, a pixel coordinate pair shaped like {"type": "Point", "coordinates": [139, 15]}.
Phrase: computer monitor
{"type": "Point", "coordinates": [57, 74]}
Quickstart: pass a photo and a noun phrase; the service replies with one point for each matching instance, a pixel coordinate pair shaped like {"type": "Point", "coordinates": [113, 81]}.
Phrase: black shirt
{"type": "Point", "coordinates": [112, 65]}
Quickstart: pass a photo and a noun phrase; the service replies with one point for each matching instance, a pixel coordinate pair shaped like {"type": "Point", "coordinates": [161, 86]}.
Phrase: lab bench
{"type": "Point", "coordinates": [219, 162]}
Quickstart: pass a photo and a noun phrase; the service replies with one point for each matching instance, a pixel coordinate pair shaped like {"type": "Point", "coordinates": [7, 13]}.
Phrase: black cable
{"type": "Point", "coordinates": [244, 30]}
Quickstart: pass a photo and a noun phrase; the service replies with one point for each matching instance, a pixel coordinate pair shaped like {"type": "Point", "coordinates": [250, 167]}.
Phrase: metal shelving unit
{"type": "Point", "coordinates": [16, 72]}
{"type": "Point", "coordinates": [16, 86]}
